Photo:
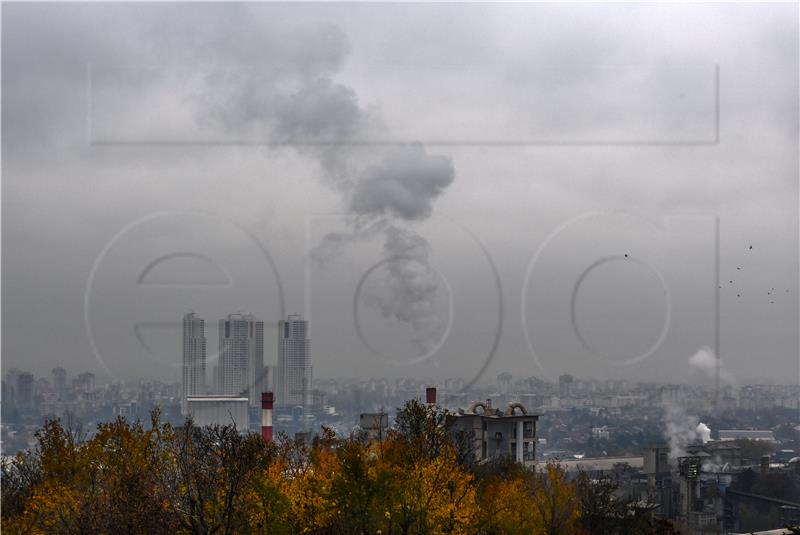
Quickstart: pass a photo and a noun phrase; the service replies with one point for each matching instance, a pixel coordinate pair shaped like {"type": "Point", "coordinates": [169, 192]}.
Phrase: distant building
{"type": "Point", "coordinates": [6, 395]}
{"type": "Point", "coordinates": [84, 385]}
{"type": "Point", "coordinates": [219, 410]}
{"type": "Point", "coordinates": [240, 371]}
{"type": "Point", "coordinates": [293, 375]}
{"type": "Point", "coordinates": [496, 433]}
{"type": "Point", "coordinates": [193, 380]}
{"type": "Point", "coordinates": [128, 410]}
{"type": "Point", "coordinates": [601, 433]}
{"type": "Point", "coordinates": [566, 385]}
{"type": "Point", "coordinates": [59, 379]}
{"type": "Point", "coordinates": [504, 380]}
{"type": "Point", "coordinates": [11, 377]}
{"type": "Point", "coordinates": [749, 434]}
{"type": "Point", "coordinates": [374, 425]}
{"type": "Point", "coordinates": [24, 391]}
{"type": "Point", "coordinates": [656, 461]}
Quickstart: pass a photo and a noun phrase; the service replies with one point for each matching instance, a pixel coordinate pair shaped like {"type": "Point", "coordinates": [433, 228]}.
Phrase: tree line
{"type": "Point", "coordinates": [420, 479]}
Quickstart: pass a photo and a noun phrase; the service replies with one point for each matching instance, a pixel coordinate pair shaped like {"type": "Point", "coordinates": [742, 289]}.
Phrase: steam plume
{"type": "Point", "coordinates": [682, 430]}
{"type": "Point", "coordinates": [706, 362]}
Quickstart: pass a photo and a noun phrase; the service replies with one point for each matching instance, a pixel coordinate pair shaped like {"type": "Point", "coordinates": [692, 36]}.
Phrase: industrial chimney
{"type": "Point", "coordinates": [430, 395]}
{"type": "Point", "coordinates": [266, 416]}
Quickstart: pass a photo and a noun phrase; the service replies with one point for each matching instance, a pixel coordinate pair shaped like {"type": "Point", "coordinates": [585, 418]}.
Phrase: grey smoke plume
{"type": "Point", "coordinates": [682, 430]}
{"type": "Point", "coordinates": [412, 287]}
{"type": "Point", "coordinates": [404, 184]}
{"type": "Point", "coordinates": [403, 187]}
{"type": "Point", "coordinates": [297, 102]}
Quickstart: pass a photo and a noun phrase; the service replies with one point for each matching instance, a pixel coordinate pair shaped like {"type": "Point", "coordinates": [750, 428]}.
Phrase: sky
{"type": "Point", "coordinates": [444, 190]}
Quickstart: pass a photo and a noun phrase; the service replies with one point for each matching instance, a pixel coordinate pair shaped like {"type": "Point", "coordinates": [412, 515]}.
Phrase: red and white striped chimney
{"type": "Point", "coordinates": [430, 395]}
{"type": "Point", "coordinates": [266, 415]}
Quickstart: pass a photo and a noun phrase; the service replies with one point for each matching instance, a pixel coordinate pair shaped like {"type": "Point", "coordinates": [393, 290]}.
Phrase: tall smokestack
{"type": "Point", "coordinates": [430, 395]}
{"type": "Point", "coordinates": [267, 400]}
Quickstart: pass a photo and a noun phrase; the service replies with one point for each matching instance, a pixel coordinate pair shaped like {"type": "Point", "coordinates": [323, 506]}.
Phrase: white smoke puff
{"type": "Point", "coordinates": [412, 287]}
{"type": "Point", "coordinates": [706, 362]}
{"type": "Point", "coordinates": [682, 430]}
{"type": "Point", "coordinates": [703, 432]}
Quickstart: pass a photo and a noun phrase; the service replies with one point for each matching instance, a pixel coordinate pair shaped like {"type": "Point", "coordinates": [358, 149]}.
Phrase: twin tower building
{"type": "Point", "coordinates": [240, 370]}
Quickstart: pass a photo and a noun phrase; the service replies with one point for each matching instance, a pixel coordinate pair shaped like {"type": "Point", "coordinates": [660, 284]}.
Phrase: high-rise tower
{"type": "Point", "coordinates": [241, 358]}
{"type": "Point", "coordinates": [194, 358]}
{"type": "Point", "coordinates": [293, 376]}
{"type": "Point", "coordinates": [59, 380]}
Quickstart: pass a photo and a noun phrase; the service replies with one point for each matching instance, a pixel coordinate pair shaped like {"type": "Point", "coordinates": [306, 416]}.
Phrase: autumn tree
{"type": "Point", "coordinates": [103, 485]}
{"type": "Point", "coordinates": [129, 478]}
{"type": "Point", "coordinates": [515, 499]}
{"type": "Point", "coordinates": [427, 494]}
{"type": "Point", "coordinates": [505, 503]}
{"type": "Point", "coordinates": [124, 462]}
{"type": "Point", "coordinates": [430, 428]}
{"type": "Point", "coordinates": [605, 509]}
{"type": "Point", "coordinates": [207, 475]}
{"type": "Point", "coordinates": [425, 426]}
{"type": "Point", "coordinates": [556, 501]}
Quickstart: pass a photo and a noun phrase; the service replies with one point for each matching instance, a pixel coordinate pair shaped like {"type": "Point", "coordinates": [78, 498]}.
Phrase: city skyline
{"type": "Point", "coordinates": [243, 368]}
{"type": "Point", "coordinates": [548, 254]}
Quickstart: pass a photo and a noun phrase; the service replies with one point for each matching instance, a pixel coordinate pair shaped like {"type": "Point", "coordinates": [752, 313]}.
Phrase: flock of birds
{"type": "Point", "coordinates": [771, 292]}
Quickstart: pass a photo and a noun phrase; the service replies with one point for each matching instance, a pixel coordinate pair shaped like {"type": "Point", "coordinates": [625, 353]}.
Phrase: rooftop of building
{"type": "Point", "coordinates": [216, 398]}
{"type": "Point", "coordinates": [488, 411]}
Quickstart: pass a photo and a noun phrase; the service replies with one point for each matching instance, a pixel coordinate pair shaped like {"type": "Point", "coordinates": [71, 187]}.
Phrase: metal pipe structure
{"type": "Point", "coordinates": [267, 399]}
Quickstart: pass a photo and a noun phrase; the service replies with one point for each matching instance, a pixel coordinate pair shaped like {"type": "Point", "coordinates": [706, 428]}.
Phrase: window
{"type": "Point", "coordinates": [528, 430]}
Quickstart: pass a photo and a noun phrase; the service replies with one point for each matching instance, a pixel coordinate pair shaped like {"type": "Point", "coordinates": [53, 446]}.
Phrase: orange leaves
{"type": "Point", "coordinates": [213, 480]}
{"type": "Point", "coordinates": [525, 502]}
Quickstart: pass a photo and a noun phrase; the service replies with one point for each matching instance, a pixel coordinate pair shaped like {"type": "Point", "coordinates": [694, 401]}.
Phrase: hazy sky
{"type": "Point", "coordinates": [454, 178]}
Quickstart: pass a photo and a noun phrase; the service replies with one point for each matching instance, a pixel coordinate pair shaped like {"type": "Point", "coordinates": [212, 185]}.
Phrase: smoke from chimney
{"type": "Point", "coordinates": [682, 429]}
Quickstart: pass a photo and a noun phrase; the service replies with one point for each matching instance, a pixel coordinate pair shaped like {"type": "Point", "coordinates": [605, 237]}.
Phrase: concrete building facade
{"type": "Point", "coordinates": [240, 371]}
{"type": "Point", "coordinates": [293, 375]}
{"type": "Point", "coordinates": [495, 433]}
{"type": "Point", "coordinates": [193, 379]}
{"type": "Point", "coordinates": [219, 410]}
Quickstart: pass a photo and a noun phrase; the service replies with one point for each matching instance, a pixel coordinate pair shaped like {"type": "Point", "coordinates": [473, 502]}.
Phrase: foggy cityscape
{"type": "Point", "coordinates": [400, 268]}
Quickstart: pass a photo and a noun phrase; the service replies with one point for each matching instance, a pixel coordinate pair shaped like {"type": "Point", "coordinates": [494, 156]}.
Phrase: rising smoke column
{"type": "Point", "coordinates": [412, 288]}
{"type": "Point", "coordinates": [682, 429]}
{"type": "Point", "coordinates": [403, 187]}
{"type": "Point", "coordinates": [296, 101]}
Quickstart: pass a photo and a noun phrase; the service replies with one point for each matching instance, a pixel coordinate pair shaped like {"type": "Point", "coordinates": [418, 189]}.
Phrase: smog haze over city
{"type": "Point", "coordinates": [444, 190]}
{"type": "Point", "coordinates": [243, 242]}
